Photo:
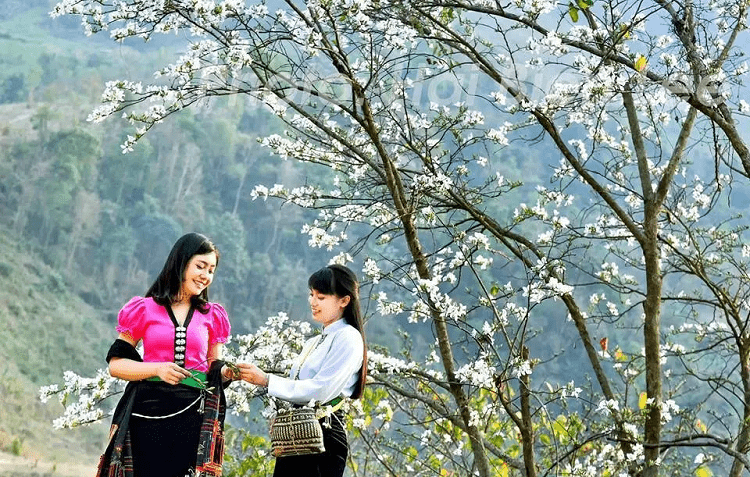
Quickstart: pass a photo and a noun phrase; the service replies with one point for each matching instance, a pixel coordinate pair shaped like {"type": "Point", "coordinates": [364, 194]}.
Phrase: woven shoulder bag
{"type": "Point", "coordinates": [296, 430]}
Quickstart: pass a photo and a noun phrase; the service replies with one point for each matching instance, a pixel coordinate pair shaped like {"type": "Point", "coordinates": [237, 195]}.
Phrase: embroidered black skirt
{"type": "Point", "coordinates": [330, 463]}
{"type": "Point", "coordinates": [165, 446]}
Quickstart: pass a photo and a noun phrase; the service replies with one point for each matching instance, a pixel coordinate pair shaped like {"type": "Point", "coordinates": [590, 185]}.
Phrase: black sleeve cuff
{"type": "Point", "coordinates": [123, 349]}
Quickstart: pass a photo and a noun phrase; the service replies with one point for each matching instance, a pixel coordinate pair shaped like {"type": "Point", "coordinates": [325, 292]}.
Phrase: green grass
{"type": "Point", "coordinates": [44, 330]}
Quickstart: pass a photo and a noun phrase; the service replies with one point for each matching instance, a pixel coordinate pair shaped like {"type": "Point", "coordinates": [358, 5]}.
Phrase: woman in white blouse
{"type": "Point", "coordinates": [335, 368]}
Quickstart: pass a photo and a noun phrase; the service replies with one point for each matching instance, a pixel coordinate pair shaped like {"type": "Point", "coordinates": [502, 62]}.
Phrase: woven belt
{"type": "Point", "coordinates": [198, 380]}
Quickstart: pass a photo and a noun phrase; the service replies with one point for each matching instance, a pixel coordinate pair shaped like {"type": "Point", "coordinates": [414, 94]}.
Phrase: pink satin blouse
{"type": "Point", "coordinates": [144, 319]}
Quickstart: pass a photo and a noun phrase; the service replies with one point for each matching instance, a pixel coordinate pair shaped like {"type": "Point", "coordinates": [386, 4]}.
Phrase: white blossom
{"type": "Point", "coordinates": [521, 368]}
{"type": "Point", "coordinates": [372, 270]}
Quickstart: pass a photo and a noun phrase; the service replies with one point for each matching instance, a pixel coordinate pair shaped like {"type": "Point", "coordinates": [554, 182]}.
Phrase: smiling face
{"type": "Point", "coordinates": [199, 273]}
{"type": "Point", "coordinates": [327, 308]}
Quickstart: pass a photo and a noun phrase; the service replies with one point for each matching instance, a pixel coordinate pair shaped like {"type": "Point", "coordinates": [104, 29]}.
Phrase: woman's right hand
{"type": "Point", "coordinates": [171, 373]}
{"type": "Point", "coordinates": [252, 374]}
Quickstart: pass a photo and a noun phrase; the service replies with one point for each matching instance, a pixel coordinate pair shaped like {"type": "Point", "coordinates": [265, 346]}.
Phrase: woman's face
{"type": "Point", "coordinates": [327, 308]}
{"type": "Point", "coordinates": [199, 273]}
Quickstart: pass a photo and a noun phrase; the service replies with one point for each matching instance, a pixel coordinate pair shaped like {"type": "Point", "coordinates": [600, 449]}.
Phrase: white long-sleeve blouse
{"type": "Point", "coordinates": [330, 370]}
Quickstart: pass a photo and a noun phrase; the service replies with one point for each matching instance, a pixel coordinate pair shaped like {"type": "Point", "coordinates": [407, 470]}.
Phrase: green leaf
{"type": "Point", "coordinates": [559, 427]}
{"type": "Point", "coordinates": [447, 15]}
{"type": "Point", "coordinates": [573, 12]}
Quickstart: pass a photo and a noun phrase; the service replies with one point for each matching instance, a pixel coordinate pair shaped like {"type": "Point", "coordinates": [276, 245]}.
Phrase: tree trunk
{"type": "Point", "coordinates": [393, 182]}
{"type": "Point", "coordinates": [743, 440]}
{"type": "Point", "coordinates": [652, 341]}
{"type": "Point", "coordinates": [527, 429]}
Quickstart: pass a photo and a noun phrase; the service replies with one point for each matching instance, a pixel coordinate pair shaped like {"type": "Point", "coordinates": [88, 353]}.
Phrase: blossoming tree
{"type": "Point", "coordinates": [536, 184]}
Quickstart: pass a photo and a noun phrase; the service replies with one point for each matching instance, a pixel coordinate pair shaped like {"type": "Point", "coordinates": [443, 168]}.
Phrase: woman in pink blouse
{"type": "Point", "coordinates": [169, 422]}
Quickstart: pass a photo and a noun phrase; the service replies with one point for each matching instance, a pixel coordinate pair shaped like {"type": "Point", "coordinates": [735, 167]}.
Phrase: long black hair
{"type": "Point", "coordinates": [341, 281]}
{"type": "Point", "coordinates": [167, 285]}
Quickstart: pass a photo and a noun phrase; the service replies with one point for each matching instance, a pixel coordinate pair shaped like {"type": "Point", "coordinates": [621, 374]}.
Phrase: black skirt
{"type": "Point", "coordinates": [330, 463]}
{"type": "Point", "coordinates": [166, 446]}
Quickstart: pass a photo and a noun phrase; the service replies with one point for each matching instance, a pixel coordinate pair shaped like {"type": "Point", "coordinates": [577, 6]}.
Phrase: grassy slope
{"type": "Point", "coordinates": [44, 330]}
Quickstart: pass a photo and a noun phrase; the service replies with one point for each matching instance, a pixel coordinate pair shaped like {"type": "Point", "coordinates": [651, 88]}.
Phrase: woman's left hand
{"type": "Point", "coordinates": [252, 374]}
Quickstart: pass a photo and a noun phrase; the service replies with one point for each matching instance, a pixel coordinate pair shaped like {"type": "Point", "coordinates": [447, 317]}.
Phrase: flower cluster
{"type": "Point", "coordinates": [84, 399]}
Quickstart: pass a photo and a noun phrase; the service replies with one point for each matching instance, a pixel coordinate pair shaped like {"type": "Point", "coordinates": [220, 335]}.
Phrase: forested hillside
{"type": "Point", "coordinates": [84, 227]}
